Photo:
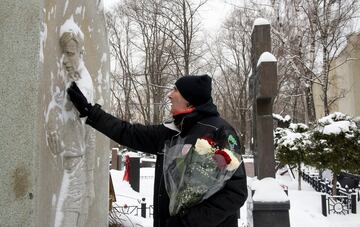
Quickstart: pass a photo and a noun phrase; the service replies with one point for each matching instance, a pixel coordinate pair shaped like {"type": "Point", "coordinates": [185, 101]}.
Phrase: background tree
{"type": "Point", "coordinates": [232, 63]}
{"type": "Point", "coordinates": [307, 35]}
{"type": "Point", "coordinates": [120, 48]}
{"type": "Point", "coordinates": [187, 51]}
{"type": "Point", "coordinates": [331, 20]}
{"type": "Point", "coordinates": [290, 45]}
{"type": "Point", "coordinates": [142, 45]}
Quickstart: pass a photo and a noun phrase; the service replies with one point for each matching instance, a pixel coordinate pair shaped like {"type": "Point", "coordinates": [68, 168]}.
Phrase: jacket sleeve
{"type": "Point", "coordinates": [136, 136]}
{"type": "Point", "coordinates": [224, 203]}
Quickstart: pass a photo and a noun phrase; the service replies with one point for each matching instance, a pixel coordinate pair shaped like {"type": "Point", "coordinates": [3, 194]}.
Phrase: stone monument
{"type": "Point", "coordinates": [51, 158]}
{"type": "Point", "coordinates": [262, 91]}
{"type": "Point", "coordinates": [268, 204]}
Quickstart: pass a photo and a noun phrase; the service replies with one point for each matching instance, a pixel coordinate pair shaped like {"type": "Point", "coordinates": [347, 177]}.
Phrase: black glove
{"type": "Point", "coordinates": [79, 100]}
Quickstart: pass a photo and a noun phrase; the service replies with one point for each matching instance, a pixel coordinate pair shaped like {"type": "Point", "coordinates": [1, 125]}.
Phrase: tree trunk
{"type": "Point", "coordinates": [299, 176]}
{"type": "Point", "coordinates": [243, 130]}
{"type": "Point", "coordinates": [310, 106]}
{"type": "Point", "coordinates": [334, 182]}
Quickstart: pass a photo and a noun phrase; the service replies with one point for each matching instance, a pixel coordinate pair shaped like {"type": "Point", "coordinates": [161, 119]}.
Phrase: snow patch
{"type": "Point", "coordinates": [337, 116]}
{"type": "Point", "coordinates": [261, 21]}
{"type": "Point", "coordinates": [337, 127]}
{"type": "Point", "coordinates": [266, 57]}
{"type": "Point", "coordinates": [280, 118]}
{"type": "Point", "coordinates": [71, 26]}
{"type": "Point", "coordinates": [83, 13]}
{"type": "Point", "coordinates": [62, 196]}
{"type": "Point", "coordinates": [268, 190]}
{"type": "Point", "coordinates": [296, 127]}
{"type": "Point", "coordinates": [90, 29]}
{"type": "Point", "coordinates": [78, 10]}
{"type": "Point", "coordinates": [43, 37]}
{"type": "Point", "coordinates": [53, 200]}
{"type": "Point", "coordinates": [132, 154]}
{"type": "Point", "coordinates": [337, 123]}
{"type": "Point", "coordinates": [103, 58]}
{"type": "Point", "coordinates": [65, 7]}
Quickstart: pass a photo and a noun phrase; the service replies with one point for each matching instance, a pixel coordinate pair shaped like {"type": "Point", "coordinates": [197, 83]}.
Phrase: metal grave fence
{"type": "Point", "coordinates": [342, 203]}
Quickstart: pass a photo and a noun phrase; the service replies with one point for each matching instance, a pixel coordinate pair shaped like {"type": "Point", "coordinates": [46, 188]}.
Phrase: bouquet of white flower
{"type": "Point", "coordinates": [193, 173]}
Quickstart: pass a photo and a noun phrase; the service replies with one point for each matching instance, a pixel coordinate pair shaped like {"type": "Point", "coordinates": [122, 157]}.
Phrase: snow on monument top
{"type": "Point", "coordinates": [71, 26]}
{"type": "Point", "coordinates": [266, 57]}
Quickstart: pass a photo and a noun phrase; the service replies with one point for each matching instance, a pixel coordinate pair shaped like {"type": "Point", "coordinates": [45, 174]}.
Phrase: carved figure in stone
{"type": "Point", "coordinates": [69, 138]}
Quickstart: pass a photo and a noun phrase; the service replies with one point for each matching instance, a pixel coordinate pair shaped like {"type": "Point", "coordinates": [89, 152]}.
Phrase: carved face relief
{"type": "Point", "coordinates": [71, 58]}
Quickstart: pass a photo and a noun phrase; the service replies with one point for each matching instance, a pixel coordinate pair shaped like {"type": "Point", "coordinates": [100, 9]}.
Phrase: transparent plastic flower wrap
{"type": "Point", "coordinates": [194, 173]}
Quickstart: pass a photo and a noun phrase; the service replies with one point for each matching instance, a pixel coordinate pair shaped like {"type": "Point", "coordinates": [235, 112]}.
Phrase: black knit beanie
{"type": "Point", "coordinates": [195, 89]}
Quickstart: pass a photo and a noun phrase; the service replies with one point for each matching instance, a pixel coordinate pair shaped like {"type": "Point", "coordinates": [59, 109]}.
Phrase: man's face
{"type": "Point", "coordinates": [178, 103]}
{"type": "Point", "coordinates": [71, 59]}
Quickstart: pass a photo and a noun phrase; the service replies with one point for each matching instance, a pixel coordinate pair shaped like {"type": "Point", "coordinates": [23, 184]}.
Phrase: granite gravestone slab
{"type": "Point", "coordinates": [50, 158]}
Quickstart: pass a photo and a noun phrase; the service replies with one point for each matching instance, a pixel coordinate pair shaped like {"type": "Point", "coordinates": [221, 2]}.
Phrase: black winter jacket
{"type": "Point", "coordinates": [219, 210]}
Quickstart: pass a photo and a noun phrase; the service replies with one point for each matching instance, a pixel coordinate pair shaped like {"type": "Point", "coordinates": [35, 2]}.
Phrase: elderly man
{"type": "Point", "coordinates": [194, 116]}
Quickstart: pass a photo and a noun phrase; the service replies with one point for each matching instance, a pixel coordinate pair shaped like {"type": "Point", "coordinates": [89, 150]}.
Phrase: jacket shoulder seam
{"type": "Point", "coordinates": [208, 125]}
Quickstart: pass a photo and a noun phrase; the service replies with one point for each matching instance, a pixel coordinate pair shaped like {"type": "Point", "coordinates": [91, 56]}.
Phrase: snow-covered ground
{"type": "Point", "coordinates": [305, 208]}
{"type": "Point", "coordinates": [305, 205]}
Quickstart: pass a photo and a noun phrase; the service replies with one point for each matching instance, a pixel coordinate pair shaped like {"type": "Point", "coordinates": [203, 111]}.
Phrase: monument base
{"type": "Point", "coordinates": [274, 214]}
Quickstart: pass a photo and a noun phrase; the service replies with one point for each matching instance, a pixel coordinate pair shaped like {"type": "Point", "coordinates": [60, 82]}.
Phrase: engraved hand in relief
{"type": "Point", "coordinates": [56, 146]}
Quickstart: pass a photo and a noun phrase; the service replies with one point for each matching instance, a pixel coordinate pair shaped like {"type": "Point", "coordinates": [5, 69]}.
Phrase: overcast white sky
{"type": "Point", "coordinates": [212, 13]}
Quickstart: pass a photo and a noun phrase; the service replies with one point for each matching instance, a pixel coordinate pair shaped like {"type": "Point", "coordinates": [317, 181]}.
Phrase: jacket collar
{"type": "Point", "coordinates": [171, 125]}
{"type": "Point", "coordinates": [183, 122]}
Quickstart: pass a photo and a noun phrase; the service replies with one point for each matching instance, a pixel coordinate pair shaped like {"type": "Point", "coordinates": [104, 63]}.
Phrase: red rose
{"type": "Point", "coordinates": [224, 154]}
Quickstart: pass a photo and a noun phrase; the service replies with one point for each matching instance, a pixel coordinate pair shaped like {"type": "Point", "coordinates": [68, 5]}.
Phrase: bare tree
{"type": "Point", "coordinates": [302, 31]}
{"type": "Point", "coordinates": [232, 59]}
{"type": "Point", "coordinates": [290, 43]}
{"type": "Point", "coordinates": [184, 30]}
{"type": "Point", "coordinates": [145, 38]}
{"type": "Point", "coordinates": [331, 19]}
{"type": "Point", "coordinates": [153, 42]}
{"type": "Point", "coordinates": [119, 40]}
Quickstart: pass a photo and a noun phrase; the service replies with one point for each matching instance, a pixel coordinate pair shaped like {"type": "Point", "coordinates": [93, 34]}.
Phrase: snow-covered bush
{"type": "Point", "coordinates": [291, 145]}
{"type": "Point", "coordinates": [282, 122]}
{"type": "Point", "coordinates": [335, 145]}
